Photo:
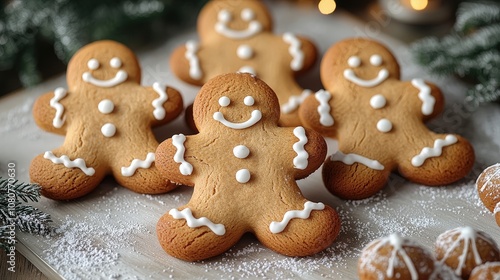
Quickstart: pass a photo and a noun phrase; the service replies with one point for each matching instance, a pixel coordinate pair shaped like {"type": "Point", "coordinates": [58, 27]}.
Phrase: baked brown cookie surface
{"type": "Point", "coordinates": [236, 36]}
{"type": "Point", "coordinates": [379, 122]}
{"type": "Point", "coordinates": [106, 117]}
{"type": "Point", "coordinates": [243, 168]}
{"type": "Point", "coordinates": [488, 187]}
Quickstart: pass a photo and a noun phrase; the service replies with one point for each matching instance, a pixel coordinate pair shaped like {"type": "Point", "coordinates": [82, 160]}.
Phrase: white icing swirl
{"type": "Point", "coordinates": [277, 227]}
{"type": "Point", "coordinates": [178, 141]}
{"type": "Point", "coordinates": [301, 160]}
{"type": "Point", "coordinates": [136, 164]}
{"type": "Point", "coordinates": [159, 112]}
{"type": "Point", "coordinates": [435, 151]}
{"type": "Point", "coordinates": [350, 159]}
{"type": "Point", "coordinates": [325, 118]}
{"type": "Point", "coordinates": [192, 222]}
{"type": "Point", "coordinates": [64, 160]}
{"type": "Point", "coordinates": [59, 93]}
{"type": "Point", "coordinates": [295, 51]}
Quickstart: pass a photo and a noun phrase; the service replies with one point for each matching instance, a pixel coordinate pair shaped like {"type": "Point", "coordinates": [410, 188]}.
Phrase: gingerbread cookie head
{"type": "Point", "coordinates": [226, 107]}
{"type": "Point", "coordinates": [234, 19]}
{"type": "Point", "coordinates": [103, 64]}
{"type": "Point", "coordinates": [358, 63]}
{"type": "Point", "coordinates": [239, 153]}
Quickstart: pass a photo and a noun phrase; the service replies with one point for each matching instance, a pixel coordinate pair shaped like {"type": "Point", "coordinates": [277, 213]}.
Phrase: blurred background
{"type": "Point", "coordinates": [38, 37]}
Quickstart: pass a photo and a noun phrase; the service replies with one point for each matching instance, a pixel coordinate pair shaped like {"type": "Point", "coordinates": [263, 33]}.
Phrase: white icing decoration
{"type": "Point", "coordinates": [350, 159]}
{"type": "Point", "coordinates": [378, 101]}
{"type": "Point", "coordinates": [120, 77]}
{"type": "Point", "coordinates": [277, 227]}
{"type": "Point", "coordinates": [295, 51]}
{"type": "Point", "coordinates": [137, 163]}
{"type": "Point", "coordinates": [243, 176]}
{"type": "Point", "coordinates": [255, 117]}
{"type": "Point", "coordinates": [224, 16]}
{"type": "Point", "coordinates": [192, 222]}
{"type": "Point", "coordinates": [436, 151]}
{"type": "Point", "coordinates": [59, 93]}
{"type": "Point", "coordinates": [247, 14]}
{"type": "Point", "coordinates": [247, 69]}
{"type": "Point", "coordinates": [221, 27]}
{"type": "Point", "coordinates": [249, 101]}
{"type": "Point", "coordinates": [354, 61]}
{"type": "Point", "coordinates": [384, 125]}
{"type": "Point", "coordinates": [93, 64]}
{"type": "Point", "coordinates": [325, 118]}
{"type": "Point", "coordinates": [245, 52]}
{"type": "Point", "coordinates": [192, 48]}
{"type": "Point", "coordinates": [115, 62]}
{"type": "Point", "coordinates": [241, 151]}
{"type": "Point", "coordinates": [376, 60]}
{"type": "Point", "coordinates": [108, 130]}
{"type": "Point", "coordinates": [178, 141]}
{"type": "Point", "coordinates": [383, 74]}
{"type": "Point", "coordinates": [159, 112]}
{"type": "Point", "coordinates": [468, 236]}
{"type": "Point", "coordinates": [224, 101]}
{"type": "Point", "coordinates": [294, 102]}
{"type": "Point", "coordinates": [300, 161]}
{"type": "Point", "coordinates": [64, 159]}
{"type": "Point", "coordinates": [396, 242]}
{"type": "Point", "coordinates": [106, 106]}
{"type": "Point", "coordinates": [428, 101]}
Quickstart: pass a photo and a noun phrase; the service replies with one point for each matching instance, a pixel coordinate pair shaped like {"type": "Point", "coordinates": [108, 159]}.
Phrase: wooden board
{"type": "Point", "coordinates": [110, 233]}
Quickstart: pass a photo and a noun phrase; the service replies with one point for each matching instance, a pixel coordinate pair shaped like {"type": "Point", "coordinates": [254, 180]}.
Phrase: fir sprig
{"type": "Point", "coordinates": [14, 211]}
{"type": "Point", "coordinates": [472, 50]}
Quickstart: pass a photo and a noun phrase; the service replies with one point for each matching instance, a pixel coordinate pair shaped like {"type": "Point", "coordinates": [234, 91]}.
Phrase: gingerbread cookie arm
{"type": "Point", "coordinates": [316, 113]}
{"type": "Point", "coordinates": [428, 96]}
{"type": "Point", "coordinates": [49, 111]}
{"type": "Point", "coordinates": [310, 151]}
{"type": "Point", "coordinates": [173, 162]}
{"type": "Point", "coordinates": [303, 52]}
{"type": "Point", "coordinates": [186, 64]}
{"type": "Point", "coordinates": [165, 103]}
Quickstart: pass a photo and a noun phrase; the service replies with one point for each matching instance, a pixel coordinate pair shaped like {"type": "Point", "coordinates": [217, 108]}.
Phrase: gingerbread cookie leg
{"type": "Point", "coordinates": [442, 160]}
{"type": "Point", "coordinates": [187, 235]}
{"type": "Point", "coordinates": [64, 175]}
{"type": "Point", "coordinates": [354, 176]}
{"type": "Point", "coordinates": [137, 172]}
{"type": "Point", "coordinates": [303, 231]}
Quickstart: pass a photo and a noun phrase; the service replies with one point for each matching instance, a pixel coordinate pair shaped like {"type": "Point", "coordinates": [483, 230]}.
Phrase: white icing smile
{"type": "Point", "coordinates": [248, 15]}
{"type": "Point", "coordinates": [93, 64]}
{"type": "Point", "coordinates": [375, 60]}
{"type": "Point", "coordinates": [255, 116]}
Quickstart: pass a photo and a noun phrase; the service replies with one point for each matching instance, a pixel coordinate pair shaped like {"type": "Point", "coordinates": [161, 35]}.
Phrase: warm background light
{"type": "Point", "coordinates": [419, 4]}
{"type": "Point", "coordinates": [327, 6]}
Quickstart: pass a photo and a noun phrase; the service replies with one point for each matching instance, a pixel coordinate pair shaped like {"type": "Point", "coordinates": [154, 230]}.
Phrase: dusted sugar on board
{"type": "Point", "coordinates": [379, 122]}
{"type": "Point", "coordinates": [107, 118]}
{"type": "Point", "coordinates": [243, 168]}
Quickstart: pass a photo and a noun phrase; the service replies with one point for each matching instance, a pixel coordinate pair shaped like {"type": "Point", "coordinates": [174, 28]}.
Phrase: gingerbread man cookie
{"type": "Point", "coordinates": [107, 117]}
{"type": "Point", "coordinates": [379, 123]}
{"type": "Point", "coordinates": [236, 36]}
{"type": "Point", "coordinates": [243, 168]}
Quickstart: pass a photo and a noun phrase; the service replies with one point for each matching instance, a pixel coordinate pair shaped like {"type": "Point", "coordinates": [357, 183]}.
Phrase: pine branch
{"type": "Point", "coordinates": [483, 39]}
{"type": "Point", "coordinates": [15, 214]}
{"type": "Point", "coordinates": [472, 16]}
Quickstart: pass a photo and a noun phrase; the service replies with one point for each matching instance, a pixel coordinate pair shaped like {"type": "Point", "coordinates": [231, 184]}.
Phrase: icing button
{"type": "Point", "coordinates": [108, 130]}
{"type": "Point", "coordinates": [106, 106]}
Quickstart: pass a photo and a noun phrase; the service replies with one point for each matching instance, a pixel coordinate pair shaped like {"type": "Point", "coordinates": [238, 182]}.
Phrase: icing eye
{"type": "Point", "coordinates": [224, 16]}
{"type": "Point", "coordinates": [224, 101]}
{"type": "Point", "coordinates": [249, 101]}
{"type": "Point", "coordinates": [115, 62]}
{"type": "Point", "coordinates": [354, 61]}
{"type": "Point", "coordinates": [247, 14]}
{"type": "Point", "coordinates": [376, 60]}
{"type": "Point", "coordinates": [93, 64]}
